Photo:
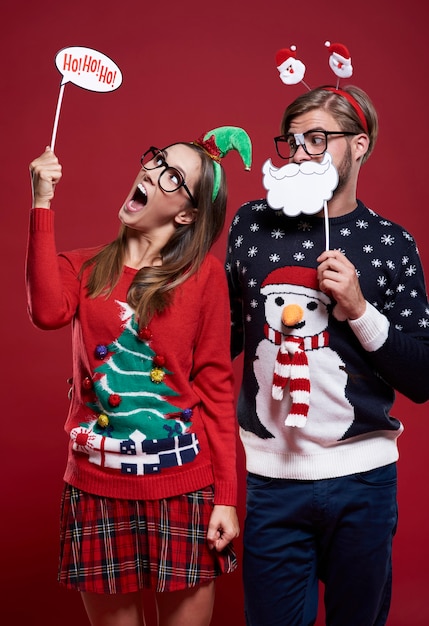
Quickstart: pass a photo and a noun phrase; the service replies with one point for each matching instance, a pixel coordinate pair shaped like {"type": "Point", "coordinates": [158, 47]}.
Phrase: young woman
{"type": "Point", "coordinates": [150, 482]}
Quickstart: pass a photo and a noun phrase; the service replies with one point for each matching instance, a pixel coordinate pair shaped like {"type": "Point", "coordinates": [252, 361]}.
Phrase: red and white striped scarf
{"type": "Point", "coordinates": [292, 365]}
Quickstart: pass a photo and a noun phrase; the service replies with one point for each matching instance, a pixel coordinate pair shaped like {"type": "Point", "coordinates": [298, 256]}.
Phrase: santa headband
{"type": "Point", "coordinates": [292, 71]}
{"type": "Point", "coordinates": [218, 142]}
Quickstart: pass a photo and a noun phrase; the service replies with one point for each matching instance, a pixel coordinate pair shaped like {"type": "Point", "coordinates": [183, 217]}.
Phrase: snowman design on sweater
{"type": "Point", "coordinates": [133, 427]}
{"type": "Point", "coordinates": [307, 380]}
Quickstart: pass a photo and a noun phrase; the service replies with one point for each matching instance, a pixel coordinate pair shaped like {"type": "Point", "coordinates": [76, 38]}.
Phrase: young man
{"type": "Point", "coordinates": [329, 333]}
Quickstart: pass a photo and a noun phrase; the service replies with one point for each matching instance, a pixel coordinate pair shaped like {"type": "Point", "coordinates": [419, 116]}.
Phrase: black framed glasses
{"type": "Point", "coordinates": [314, 142]}
{"type": "Point", "coordinates": [170, 179]}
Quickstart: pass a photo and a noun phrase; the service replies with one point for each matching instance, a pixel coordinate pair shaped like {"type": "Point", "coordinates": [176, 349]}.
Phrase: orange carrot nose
{"type": "Point", "coordinates": [292, 314]}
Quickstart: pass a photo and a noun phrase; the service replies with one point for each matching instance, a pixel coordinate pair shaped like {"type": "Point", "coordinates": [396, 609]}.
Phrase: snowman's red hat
{"type": "Point", "coordinates": [291, 275]}
{"type": "Point", "coordinates": [298, 279]}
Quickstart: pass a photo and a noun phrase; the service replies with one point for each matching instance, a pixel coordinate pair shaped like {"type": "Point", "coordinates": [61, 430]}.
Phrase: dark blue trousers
{"type": "Point", "coordinates": [338, 531]}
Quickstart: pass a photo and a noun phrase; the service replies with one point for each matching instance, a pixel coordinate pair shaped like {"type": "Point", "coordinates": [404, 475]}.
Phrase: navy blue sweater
{"type": "Point", "coordinates": [351, 379]}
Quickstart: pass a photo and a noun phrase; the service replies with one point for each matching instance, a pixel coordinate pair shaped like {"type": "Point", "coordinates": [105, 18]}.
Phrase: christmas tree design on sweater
{"type": "Point", "coordinates": [133, 416]}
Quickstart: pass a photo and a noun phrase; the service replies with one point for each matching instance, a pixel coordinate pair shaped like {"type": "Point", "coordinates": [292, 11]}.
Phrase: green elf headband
{"type": "Point", "coordinates": [218, 142]}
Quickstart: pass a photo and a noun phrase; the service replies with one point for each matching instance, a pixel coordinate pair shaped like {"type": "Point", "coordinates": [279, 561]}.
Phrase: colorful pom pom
{"type": "Point", "coordinates": [103, 420]}
{"type": "Point", "coordinates": [87, 383]}
{"type": "Point", "coordinates": [157, 375]}
{"type": "Point", "coordinates": [101, 351]}
{"type": "Point", "coordinates": [114, 399]}
{"type": "Point", "coordinates": [145, 334]}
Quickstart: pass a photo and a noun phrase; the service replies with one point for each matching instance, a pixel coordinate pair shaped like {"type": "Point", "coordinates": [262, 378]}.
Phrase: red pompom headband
{"type": "Point", "coordinates": [292, 71]}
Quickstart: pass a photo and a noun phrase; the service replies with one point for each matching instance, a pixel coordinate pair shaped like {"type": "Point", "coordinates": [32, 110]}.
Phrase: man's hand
{"type": "Point", "coordinates": [338, 278]}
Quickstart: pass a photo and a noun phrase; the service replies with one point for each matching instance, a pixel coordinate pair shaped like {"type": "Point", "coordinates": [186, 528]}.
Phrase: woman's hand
{"type": "Point", "coordinates": [223, 527]}
{"type": "Point", "coordinates": [45, 174]}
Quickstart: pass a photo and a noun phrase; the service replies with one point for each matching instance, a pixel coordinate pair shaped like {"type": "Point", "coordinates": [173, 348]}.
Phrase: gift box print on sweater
{"type": "Point", "coordinates": [132, 417]}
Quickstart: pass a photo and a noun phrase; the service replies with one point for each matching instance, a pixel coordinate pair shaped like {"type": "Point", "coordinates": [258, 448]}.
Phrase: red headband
{"type": "Point", "coordinates": [353, 102]}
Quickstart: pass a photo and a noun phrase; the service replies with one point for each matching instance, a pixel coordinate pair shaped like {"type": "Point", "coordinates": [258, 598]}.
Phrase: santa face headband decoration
{"type": "Point", "coordinates": [307, 187]}
{"type": "Point", "coordinates": [218, 142]}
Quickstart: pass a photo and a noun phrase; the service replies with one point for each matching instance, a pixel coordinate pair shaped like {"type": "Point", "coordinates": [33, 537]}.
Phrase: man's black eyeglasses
{"type": "Point", "coordinates": [170, 179]}
{"type": "Point", "coordinates": [314, 142]}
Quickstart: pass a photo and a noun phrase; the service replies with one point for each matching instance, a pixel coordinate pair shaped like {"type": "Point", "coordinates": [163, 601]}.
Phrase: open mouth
{"type": "Point", "coordinates": [138, 200]}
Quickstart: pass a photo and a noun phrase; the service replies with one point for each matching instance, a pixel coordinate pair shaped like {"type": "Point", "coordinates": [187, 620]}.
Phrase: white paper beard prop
{"type": "Point", "coordinates": [300, 188]}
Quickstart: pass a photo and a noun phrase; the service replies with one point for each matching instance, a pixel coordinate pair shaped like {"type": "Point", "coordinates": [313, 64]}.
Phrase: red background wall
{"type": "Point", "coordinates": [188, 67]}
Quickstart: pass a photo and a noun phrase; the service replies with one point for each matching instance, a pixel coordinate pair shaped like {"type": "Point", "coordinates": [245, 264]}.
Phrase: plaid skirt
{"type": "Point", "coordinates": [120, 546]}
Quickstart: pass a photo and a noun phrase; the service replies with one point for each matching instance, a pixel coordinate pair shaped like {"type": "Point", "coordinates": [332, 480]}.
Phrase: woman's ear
{"type": "Point", "coordinates": [186, 216]}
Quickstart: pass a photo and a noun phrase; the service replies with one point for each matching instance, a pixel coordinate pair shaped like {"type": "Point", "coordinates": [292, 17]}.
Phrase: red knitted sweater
{"type": "Point", "coordinates": [151, 415]}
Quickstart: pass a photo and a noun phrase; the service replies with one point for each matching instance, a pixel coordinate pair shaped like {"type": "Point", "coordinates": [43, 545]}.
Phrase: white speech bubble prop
{"type": "Point", "coordinates": [86, 68]}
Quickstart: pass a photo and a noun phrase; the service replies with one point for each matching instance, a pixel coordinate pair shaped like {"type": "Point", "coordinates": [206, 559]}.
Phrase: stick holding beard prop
{"type": "Point", "coordinates": [304, 188]}
{"type": "Point", "coordinates": [301, 188]}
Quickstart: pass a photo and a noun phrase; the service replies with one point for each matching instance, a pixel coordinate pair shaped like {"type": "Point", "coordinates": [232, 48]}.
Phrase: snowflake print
{"type": "Point", "coordinates": [275, 258]}
{"type": "Point", "coordinates": [389, 292]}
{"type": "Point", "coordinates": [307, 244]}
{"type": "Point", "coordinates": [345, 232]}
{"type": "Point", "coordinates": [427, 311]}
{"type": "Point", "coordinates": [243, 270]}
{"type": "Point", "coordinates": [254, 227]}
{"type": "Point", "coordinates": [277, 234]}
{"type": "Point", "coordinates": [248, 318]}
{"type": "Point", "coordinates": [413, 293]}
{"type": "Point", "coordinates": [258, 207]}
{"type": "Point", "coordinates": [239, 241]}
{"type": "Point", "coordinates": [405, 260]}
{"type": "Point", "coordinates": [376, 262]}
{"type": "Point", "coordinates": [253, 304]}
{"type": "Point", "coordinates": [390, 264]}
{"type": "Point", "coordinates": [411, 270]}
{"type": "Point", "coordinates": [299, 256]}
{"type": "Point", "coordinates": [381, 281]}
{"type": "Point", "coordinates": [236, 220]}
{"type": "Point", "coordinates": [252, 282]}
{"type": "Point", "coordinates": [389, 305]}
{"type": "Point", "coordinates": [406, 312]}
{"type": "Point", "coordinates": [361, 224]}
{"type": "Point", "coordinates": [385, 223]}
{"type": "Point", "coordinates": [400, 288]}
{"type": "Point", "coordinates": [388, 240]}
{"type": "Point", "coordinates": [367, 248]}
{"type": "Point", "coordinates": [424, 322]}
{"type": "Point", "coordinates": [398, 327]}
{"type": "Point", "coordinates": [304, 226]}
{"type": "Point", "coordinates": [252, 252]}
{"type": "Point", "coordinates": [228, 267]}
{"type": "Point", "coordinates": [407, 235]}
